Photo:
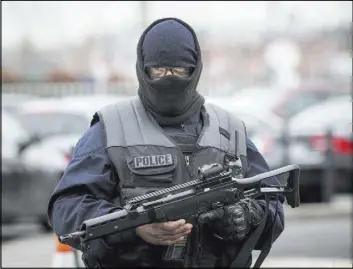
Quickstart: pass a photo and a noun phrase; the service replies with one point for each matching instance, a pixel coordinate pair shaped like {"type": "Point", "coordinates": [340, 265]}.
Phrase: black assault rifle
{"type": "Point", "coordinates": [214, 188]}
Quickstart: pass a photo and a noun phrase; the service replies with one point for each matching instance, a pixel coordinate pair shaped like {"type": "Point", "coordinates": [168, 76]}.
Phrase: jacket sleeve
{"type": "Point", "coordinates": [88, 188]}
{"type": "Point", "coordinates": [275, 223]}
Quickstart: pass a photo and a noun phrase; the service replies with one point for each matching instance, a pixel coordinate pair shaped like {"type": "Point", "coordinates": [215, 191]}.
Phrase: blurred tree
{"type": "Point", "coordinates": [59, 75]}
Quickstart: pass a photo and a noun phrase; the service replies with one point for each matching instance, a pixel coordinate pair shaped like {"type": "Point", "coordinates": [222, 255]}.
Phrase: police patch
{"type": "Point", "coordinates": [153, 161]}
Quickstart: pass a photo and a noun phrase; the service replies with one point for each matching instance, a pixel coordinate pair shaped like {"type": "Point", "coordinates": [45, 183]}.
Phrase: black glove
{"type": "Point", "coordinates": [235, 221]}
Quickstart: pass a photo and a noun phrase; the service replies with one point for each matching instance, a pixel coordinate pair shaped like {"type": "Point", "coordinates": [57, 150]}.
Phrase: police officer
{"type": "Point", "coordinates": [154, 141]}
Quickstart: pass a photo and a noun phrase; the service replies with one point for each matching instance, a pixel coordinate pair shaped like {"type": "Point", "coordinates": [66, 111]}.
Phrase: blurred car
{"type": "Point", "coordinates": [263, 97]}
{"type": "Point", "coordinates": [308, 145]}
{"type": "Point", "coordinates": [11, 101]}
{"type": "Point", "coordinates": [288, 103]}
{"type": "Point", "coordinates": [25, 188]}
{"type": "Point", "coordinates": [99, 99]}
{"type": "Point", "coordinates": [72, 115]}
{"type": "Point", "coordinates": [263, 127]}
{"type": "Point", "coordinates": [306, 95]}
{"type": "Point", "coordinates": [59, 124]}
{"type": "Point", "coordinates": [59, 147]}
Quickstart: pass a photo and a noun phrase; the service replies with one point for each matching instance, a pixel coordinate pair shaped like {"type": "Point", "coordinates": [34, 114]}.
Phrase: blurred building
{"type": "Point", "coordinates": [231, 61]}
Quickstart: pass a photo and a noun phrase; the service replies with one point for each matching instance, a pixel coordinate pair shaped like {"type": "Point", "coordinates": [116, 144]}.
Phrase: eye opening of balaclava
{"type": "Point", "coordinates": [188, 70]}
{"type": "Point", "coordinates": [170, 99]}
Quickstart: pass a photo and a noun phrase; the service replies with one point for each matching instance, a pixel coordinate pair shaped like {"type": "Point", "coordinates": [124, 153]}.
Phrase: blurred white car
{"type": "Point", "coordinates": [60, 148]}
{"type": "Point", "coordinates": [71, 115]}
{"type": "Point", "coordinates": [256, 118]}
{"type": "Point", "coordinates": [308, 143]}
{"type": "Point", "coordinates": [288, 102]}
{"type": "Point", "coordinates": [104, 99]}
{"type": "Point", "coordinates": [10, 101]}
{"type": "Point", "coordinates": [266, 98]}
{"type": "Point", "coordinates": [59, 124]}
{"type": "Point", "coordinates": [263, 127]}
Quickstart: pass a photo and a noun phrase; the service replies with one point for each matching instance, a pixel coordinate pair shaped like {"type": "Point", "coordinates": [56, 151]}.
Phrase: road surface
{"type": "Point", "coordinates": [328, 238]}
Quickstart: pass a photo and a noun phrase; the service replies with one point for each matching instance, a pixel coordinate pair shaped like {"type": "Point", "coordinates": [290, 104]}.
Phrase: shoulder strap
{"type": "Point", "coordinates": [244, 254]}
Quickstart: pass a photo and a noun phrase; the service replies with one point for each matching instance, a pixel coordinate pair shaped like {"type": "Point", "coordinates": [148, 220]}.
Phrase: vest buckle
{"type": "Point", "coordinates": [234, 164]}
{"type": "Point", "coordinates": [229, 160]}
{"type": "Point", "coordinates": [187, 160]}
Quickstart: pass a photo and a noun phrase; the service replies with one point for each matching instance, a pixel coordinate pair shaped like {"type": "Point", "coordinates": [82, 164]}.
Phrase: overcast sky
{"type": "Point", "coordinates": [52, 23]}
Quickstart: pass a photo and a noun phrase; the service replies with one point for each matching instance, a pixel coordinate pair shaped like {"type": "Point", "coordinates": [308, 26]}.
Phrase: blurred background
{"type": "Point", "coordinates": [284, 68]}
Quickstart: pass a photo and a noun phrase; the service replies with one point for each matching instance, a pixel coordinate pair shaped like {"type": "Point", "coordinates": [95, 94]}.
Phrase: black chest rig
{"type": "Point", "coordinates": [185, 135]}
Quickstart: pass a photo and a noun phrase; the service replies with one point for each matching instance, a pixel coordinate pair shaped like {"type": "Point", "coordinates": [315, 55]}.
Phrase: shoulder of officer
{"type": "Point", "coordinates": [251, 146]}
{"type": "Point", "coordinates": [91, 141]}
{"type": "Point", "coordinates": [111, 108]}
{"type": "Point", "coordinates": [222, 109]}
{"type": "Point", "coordinates": [231, 119]}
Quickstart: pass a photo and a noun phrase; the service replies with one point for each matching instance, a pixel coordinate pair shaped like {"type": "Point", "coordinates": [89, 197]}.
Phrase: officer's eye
{"type": "Point", "coordinates": [160, 69]}
{"type": "Point", "coordinates": [157, 71]}
{"type": "Point", "coordinates": [180, 69]}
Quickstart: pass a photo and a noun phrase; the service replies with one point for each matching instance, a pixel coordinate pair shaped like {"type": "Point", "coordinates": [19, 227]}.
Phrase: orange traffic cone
{"type": "Point", "coordinates": [65, 256]}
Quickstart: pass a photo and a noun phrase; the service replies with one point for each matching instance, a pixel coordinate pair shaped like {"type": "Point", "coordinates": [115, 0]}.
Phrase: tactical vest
{"type": "Point", "coordinates": [146, 159]}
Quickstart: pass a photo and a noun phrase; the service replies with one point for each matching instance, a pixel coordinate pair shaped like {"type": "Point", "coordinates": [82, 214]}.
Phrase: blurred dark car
{"type": "Point", "coordinates": [308, 145]}
{"type": "Point", "coordinates": [25, 188]}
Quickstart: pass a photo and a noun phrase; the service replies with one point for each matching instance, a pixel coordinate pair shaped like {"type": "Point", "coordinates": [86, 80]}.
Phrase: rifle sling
{"type": "Point", "coordinates": [244, 254]}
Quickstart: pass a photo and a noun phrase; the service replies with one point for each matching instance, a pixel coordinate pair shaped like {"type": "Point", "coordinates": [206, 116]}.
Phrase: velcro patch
{"type": "Point", "coordinates": [153, 161]}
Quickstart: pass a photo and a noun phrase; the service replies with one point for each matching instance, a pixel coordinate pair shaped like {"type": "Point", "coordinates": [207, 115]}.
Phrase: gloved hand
{"type": "Point", "coordinates": [237, 220]}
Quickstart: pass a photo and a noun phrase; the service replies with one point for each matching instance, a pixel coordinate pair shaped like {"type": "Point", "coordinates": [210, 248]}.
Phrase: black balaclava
{"type": "Point", "coordinates": [169, 42]}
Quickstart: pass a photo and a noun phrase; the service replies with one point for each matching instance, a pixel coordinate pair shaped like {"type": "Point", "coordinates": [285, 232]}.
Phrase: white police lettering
{"type": "Point", "coordinates": [153, 161]}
